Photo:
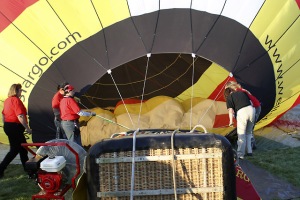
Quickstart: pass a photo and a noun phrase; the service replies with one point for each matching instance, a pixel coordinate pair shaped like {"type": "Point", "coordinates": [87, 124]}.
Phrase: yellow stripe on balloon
{"type": "Point", "coordinates": [111, 12]}
{"type": "Point", "coordinates": [271, 15]}
{"type": "Point", "coordinates": [277, 27]}
{"type": "Point", "coordinates": [44, 32]}
{"type": "Point", "coordinates": [207, 83]}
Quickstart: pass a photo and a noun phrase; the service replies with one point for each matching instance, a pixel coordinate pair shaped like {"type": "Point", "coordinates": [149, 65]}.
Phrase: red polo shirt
{"type": "Point", "coordinates": [69, 109]}
{"type": "Point", "coordinates": [13, 107]}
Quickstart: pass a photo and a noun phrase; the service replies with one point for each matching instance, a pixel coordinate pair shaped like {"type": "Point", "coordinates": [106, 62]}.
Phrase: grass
{"type": "Point", "coordinates": [16, 185]}
{"type": "Point", "coordinates": [284, 163]}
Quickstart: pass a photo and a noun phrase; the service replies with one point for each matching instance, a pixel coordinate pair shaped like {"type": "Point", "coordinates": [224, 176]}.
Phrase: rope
{"type": "Point", "coordinates": [192, 95]}
{"type": "Point", "coordinates": [113, 122]}
{"type": "Point", "coordinates": [110, 73]}
{"type": "Point", "coordinates": [173, 164]}
{"type": "Point", "coordinates": [148, 55]}
{"type": "Point", "coordinates": [199, 125]}
{"type": "Point", "coordinates": [133, 163]}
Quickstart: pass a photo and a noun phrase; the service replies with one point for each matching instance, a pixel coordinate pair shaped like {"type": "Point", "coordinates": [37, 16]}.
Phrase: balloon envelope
{"type": "Point", "coordinates": [116, 50]}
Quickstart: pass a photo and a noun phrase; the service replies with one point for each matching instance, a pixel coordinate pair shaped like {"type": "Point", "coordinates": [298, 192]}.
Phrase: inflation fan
{"type": "Point", "coordinates": [56, 165]}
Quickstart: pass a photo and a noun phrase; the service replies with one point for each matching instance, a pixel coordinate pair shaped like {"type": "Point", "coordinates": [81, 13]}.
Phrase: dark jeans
{"type": "Point", "coordinates": [60, 134]}
{"type": "Point", "coordinates": [15, 134]}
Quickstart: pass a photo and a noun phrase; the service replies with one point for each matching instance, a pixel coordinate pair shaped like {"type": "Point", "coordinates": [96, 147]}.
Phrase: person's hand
{"type": "Point", "coordinates": [230, 125]}
{"type": "Point", "coordinates": [29, 131]}
{"type": "Point", "coordinates": [93, 114]}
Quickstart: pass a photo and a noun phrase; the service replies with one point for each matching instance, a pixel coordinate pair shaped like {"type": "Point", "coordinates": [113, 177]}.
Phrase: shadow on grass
{"type": "Point", "coordinates": [265, 144]}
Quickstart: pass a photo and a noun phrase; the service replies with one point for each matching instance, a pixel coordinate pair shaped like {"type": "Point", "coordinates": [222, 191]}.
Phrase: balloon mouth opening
{"type": "Point", "coordinates": [147, 77]}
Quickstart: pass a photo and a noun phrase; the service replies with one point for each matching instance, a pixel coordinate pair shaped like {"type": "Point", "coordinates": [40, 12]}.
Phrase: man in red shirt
{"type": "Point", "coordinates": [14, 115]}
{"type": "Point", "coordinates": [70, 113]}
{"type": "Point", "coordinates": [59, 95]}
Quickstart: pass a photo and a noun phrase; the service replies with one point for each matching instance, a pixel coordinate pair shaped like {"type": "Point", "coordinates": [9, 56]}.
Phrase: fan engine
{"type": "Point", "coordinates": [55, 167]}
{"type": "Point", "coordinates": [51, 177]}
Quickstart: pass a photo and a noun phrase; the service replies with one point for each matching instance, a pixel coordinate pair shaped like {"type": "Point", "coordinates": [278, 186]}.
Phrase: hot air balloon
{"type": "Point", "coordinates": [115, 52]}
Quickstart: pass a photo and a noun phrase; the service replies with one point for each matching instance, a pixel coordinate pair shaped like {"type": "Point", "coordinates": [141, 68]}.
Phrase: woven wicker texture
{"type": "Point", "coordinates": [197, 177]}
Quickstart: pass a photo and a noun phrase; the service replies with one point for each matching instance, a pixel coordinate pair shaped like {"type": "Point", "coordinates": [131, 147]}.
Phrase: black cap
{"type": "Point", "coordinates": [63, 85]}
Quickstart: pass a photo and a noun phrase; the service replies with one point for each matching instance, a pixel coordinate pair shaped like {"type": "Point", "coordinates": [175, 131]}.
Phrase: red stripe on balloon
{"type": "Point", "coordinates": [298, 2]}
{"type": "Point", "coordinates": [297, 102]}
{"type": "Point", "coordinates": [221, 121]}
{"type": "Point", "coordinates": [11, 9]}
{"type": "Point", "coordinates": [129, 101]}
{"type": "Point", "coordinates": [218, 93]}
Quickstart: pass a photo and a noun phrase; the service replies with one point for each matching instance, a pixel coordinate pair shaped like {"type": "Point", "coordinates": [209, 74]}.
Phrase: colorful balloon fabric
{"type": "Point", "coordinates": [118, 50]}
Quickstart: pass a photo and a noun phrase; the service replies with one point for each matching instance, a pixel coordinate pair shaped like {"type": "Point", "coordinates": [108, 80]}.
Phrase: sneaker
{"type": "Point", "coordinates": [249, 154]}
{"type": "Point", "coordinates": [241, 157]}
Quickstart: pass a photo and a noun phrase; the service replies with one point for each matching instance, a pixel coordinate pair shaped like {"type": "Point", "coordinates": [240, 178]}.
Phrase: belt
{"type": "Point", "coordinates": [76, 120]}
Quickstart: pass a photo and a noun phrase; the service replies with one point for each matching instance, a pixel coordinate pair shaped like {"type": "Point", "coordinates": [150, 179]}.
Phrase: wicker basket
{"type": "Point", "coordinates": [199, 174]}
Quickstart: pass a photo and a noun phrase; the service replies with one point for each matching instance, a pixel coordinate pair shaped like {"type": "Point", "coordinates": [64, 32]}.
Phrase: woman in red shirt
{"type": "Point", "coordinates": [14, 115]}
{"type": "Point", "coordinates": [70, 113]}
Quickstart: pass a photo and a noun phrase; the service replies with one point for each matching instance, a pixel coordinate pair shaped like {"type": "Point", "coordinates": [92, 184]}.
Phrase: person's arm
{"type": "Point", "coordinates": [24, 123]}
{"type": "Point", "coordinates": [231, 114]}
{"type": "Point", "coordinates": [76, 109]}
